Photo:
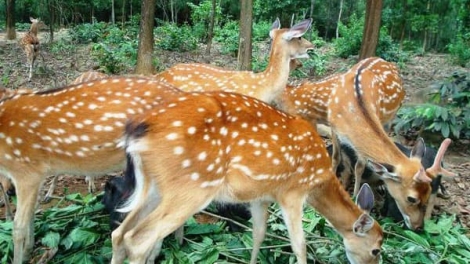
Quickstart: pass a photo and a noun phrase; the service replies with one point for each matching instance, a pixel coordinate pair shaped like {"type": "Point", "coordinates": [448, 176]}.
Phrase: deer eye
{"type": "Point", "coordinates": [412, 200]}
{"type": "Point", "coordinates": [375, 252]}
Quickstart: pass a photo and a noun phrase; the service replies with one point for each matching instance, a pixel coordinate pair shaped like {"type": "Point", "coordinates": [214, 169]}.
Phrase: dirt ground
{"type": "Point", "coordinates": [55, 70]}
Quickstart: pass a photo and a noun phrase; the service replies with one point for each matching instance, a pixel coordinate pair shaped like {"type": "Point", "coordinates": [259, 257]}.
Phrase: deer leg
{"type": "Point", "coordinates": [8, 213]}
{"type": "Point", "coordinates": [259, 217]}
{"type": "Point", "coordinates": [91, 184]}
{"type": "Point", "coordinates": [292, 212]}
{"type": "Point", "coordinates": [143, 243]}
{"type": "Point", "coordinates": [47, 198]}
{"type": "Point", "coordinates": [359, 168]}
{"type": "Point", "coordinates": [336, 156]}
{"type": "Point", "coordinates": [23, 232]}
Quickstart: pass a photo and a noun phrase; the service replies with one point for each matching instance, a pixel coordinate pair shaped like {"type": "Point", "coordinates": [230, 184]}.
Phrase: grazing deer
{"type": "Point", "coordinates": [356, 104]}
{"type": "Point", "coordinates": [227, 147]}
{"type": "Point", "coordinates": [84, 77]}
{"type": "Point", "coordinates": [287, 44]}
{"type": "Point", "coordinates": [347, 168]}
{"type": "Point", "coordinates": [30, 44]}
{"type": "Point", "coordinates": [71, 130]}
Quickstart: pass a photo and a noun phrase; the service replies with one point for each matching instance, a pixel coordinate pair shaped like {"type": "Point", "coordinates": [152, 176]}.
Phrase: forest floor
{"type": "Point", "coordinates": [57, 69]}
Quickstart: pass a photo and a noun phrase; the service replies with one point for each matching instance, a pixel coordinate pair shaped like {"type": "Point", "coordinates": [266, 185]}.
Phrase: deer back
{"type": "Point", "coordinates": [89, 76]}
{"type": "Point", "coordinates": [73, 129]}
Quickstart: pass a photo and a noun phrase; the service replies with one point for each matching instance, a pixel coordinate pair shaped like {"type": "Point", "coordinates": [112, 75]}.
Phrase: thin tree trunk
{"type": "Point", "coordinates": [312, 7]}
{"type": "Point", "coordinates": [210, 33]}
{"type": "Point", "coordinates": [370, 36]}
{"type": "Point", "coordinates": [11, 32]}
{"type": "Point", "coordinates": [113, 20]}
{"type": "Point", "coordinates": [51, 20]}
{"type": "Point", "coordinates": [339, 18]}
{"type": "Point", "coordinates": [145, 50]}
{"type": "Point", "coordinates": [245, 44]}
{"type": "Point", "coordinates": [123, 20]}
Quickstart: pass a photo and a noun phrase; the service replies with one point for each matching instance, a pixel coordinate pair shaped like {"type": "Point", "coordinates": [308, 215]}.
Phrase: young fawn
{"type": "Point", "coordinates": [71, 130]}
{"type": "Point", "coordinates": [30, 44]}
{"type": "Point", "coordinates": [357, 104]}
{"type": "Point", "coordinates": [84, 77]}
{"type": "Point", "coordinates": [287, 44]}
{"type": "Point", "coordinates": [218, 146]}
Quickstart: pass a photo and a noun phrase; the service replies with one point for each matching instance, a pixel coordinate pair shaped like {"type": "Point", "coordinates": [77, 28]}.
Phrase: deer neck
{"type": "Point", "coordinates": [34, 29]}
{"type": "Point", "coordinates": [331, 200]}
{"type": "Point", "coordinates": [275, 76]}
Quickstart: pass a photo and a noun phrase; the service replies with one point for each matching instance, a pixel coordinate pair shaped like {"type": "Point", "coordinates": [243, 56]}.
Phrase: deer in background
{"type": "Point", "coordinates": [287, 44]}
{"type": "Point", "coordinates": [30, 44]}
{"type": "Point", "coordinates": [227, 147]}
{"type": "Point", "coordinates": [356, 104]}
{"type": "Point", "coordinates": [71, 130]}
{"type": "Point", "coordinates": [84, 77]}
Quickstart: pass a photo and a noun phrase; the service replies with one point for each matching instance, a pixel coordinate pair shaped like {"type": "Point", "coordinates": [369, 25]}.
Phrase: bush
{"type": "Point", "coordinates": [173, 38]}
{"type": "Point", "coordinates": [460, 50]}
{"type": "Point", "coordinates": [88, 33]}
{"type": "Point", "coordinates": [447, 112]}
{"type": "Point", "coordinates": [228, 37]}
{"type": "Point", "coordinates": [350, 41]}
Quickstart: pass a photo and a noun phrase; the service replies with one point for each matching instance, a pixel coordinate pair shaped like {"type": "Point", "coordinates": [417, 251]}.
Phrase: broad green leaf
{"type": "Point", "coordinates": [416, 238]}
{"type": "Point", "coordinates": [51, 239]}
{"type": "Point", "coordinates": [445, 129]}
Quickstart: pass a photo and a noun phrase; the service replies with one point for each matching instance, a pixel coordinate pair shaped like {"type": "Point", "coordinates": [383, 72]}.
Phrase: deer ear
{"type": "Point", "coordinates": [363, 224]}
{"type": "Point", "coordinates": [419, 149]}
{"type": "Point", "coordinates": [276, 25]}
{"type": "Point", "coordinates": [383, 172]}
{"type": "Point", "coordinates": [365, 198]}
{"type": "Point", "coordinates": [298, 30]}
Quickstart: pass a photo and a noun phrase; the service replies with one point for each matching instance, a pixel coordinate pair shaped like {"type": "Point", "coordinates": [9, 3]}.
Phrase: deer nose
{"type": "Point", "coordinates": [419, 229]}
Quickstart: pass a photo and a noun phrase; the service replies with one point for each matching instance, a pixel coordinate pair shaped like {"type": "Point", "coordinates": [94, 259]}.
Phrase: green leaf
{"type": "Point", "coordinates": [445, 129]}
{"type": "Point", "coordinates": [51, 239]}
{"type": "Point", "coordinates": [416, 238]}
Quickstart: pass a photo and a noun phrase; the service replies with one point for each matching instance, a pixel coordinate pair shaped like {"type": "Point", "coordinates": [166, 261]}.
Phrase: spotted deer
{"type": "Point", "coordinates": [71, 130]}
{"type": "Point", "coordinates": [227, 147]}
{"type": "Point", "coordinates": [84, 77]}
{"type": "Point", "coordinates": [357, 104]}
{"type": "Point", "coordinates": [287, 44]}
{"type": "Point", "coordinates": [30, 43]}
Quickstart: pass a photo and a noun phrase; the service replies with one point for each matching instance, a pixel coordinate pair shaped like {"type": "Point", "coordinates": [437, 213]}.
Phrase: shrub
{"type": "Point", "coordinates": [447, 112]}
{"type": "Point", "coordinates": [228, 37]}
{"type": "Point", "coordinates": [87, 33]}
{"type": "Point", "coordinates": [460, 50]}
{"type": "Point", "coordinates": [173, 38]}
{"type": "Point", "coordinates": [350, 41]}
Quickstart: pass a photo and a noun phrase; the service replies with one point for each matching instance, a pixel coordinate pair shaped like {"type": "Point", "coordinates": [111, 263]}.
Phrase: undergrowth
{"type": "Point", "coordinates": [79, 233]}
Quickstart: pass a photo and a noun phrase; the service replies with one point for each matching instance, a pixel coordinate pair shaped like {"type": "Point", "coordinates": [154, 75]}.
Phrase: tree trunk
{"type": "Point", "coordinates": [339, 17]}
{"type": "Point", "coordinates": [244, 43]}
{"type": "Point", "coordinates": [145, 50]}
{"type": "Point", "coordinates": [210, 33]}
{"type": "Point", "coordinates": [123, 20]}
{"type": "Point", "coordinates": [113, 19]}
{"type": "Point", "coordinates": [11, 32]}
{"type": "Point", "coordinates": [51, 8]}
{"type": "Point", "coordinates": [371, 31]}
{"type": "Point", "coordinates": [312, 8]}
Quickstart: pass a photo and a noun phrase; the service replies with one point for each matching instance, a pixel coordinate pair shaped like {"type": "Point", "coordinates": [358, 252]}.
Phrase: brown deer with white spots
{"type": "Point", "coordinates": [30, 44]}
{"type": "Point", "coordinates": [226, 147]}
{"type": "Point", "coordinates": [287, 44]}
{"type": "Point", "coordinates": [84, 77]}
{"type": "Point", "coordinates": [71, 130]}
{"type": "Point", "coordinates": [357, 104]}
